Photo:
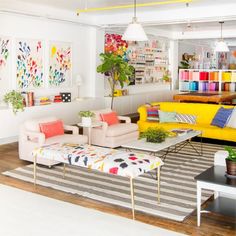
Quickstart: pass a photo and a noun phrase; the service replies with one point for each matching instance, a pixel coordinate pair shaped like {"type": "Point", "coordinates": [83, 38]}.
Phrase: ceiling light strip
{"type": "Point", "coordinates": [150, 4]}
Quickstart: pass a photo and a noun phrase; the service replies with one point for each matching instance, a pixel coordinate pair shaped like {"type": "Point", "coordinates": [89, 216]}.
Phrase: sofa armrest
{"type": "Point", "coordinates": [30, 135]}
{"type": "Point", "coordinates": [104, 126]}
{"type": "Point", "coordinates": [72, 128]}
{"type": "Point", "coordinates": [142, 113]}
{"type": "Point", "coordinates": [125, 118]}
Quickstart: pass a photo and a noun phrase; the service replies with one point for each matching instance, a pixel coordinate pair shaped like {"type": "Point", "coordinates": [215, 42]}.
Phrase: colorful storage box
{"type": "Point", "coordinates": [214, 76]}
{"type": "Point", "coordinates": [66, 97]}
{"type": "Point", "coordinates": [203, 75]}
{"type": "Point", "coordinates": [226, 76]}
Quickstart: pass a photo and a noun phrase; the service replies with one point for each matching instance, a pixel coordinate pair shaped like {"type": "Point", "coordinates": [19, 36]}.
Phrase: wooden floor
{"type": "Point", "coordinates": [211, 224]}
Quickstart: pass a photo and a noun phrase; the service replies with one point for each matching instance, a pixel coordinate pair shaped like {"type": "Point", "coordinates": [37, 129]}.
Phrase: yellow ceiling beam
{"type": "Point", "coordinates": [148, 4]}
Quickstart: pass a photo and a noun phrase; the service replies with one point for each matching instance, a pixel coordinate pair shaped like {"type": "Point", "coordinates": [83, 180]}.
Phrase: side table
{"type": "Point", "coordinates": [214, 179]}
{"type": "Point", "coordinates": [93, 125]}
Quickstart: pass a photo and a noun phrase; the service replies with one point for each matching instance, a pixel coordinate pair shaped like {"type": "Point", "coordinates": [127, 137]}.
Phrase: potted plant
{"type": "Point", "coordinates": [155, 135]}
{"type": "Point", "coordinates": [231, 161]}
{"type": "Point", "coordinates": [86, 117]}
{"type": "Point", "coordinates": [117, 71]}
{"type": "Point", "coordinates": [15, 100]}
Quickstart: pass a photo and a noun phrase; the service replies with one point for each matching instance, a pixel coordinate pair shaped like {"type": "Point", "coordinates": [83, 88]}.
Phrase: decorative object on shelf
{"type": "Point", "coordinates": [5, 64]}
{"type": "Point", "coordinates": [15, 101]}
{"type": "Point", "coordinates": [231, 161]}
{"type": "Point", "coordinates": [86, 117]}
{"type": "Point", "coordinates": [135, 31]}
{"type": "Point", "coordinates": [43, 101]}
{"type": "Point", "coordinates": [221, 45]}
{"type": "Point", "coordinates": [29, 64]}
{"type": "Point", "coordinates": [60, 72]}
{"type": "Point", "coordinates": [66, 97]}
{"type": "Point", "coordinates": [166, 76]}
{"type": "Point", "coordinates": [184, 64]}
{"type": "Point", "coordinates": [118, 70]}
{"type": "Point", "coordinates": [155, 135]}
{"type": "Point", "coordinates": [57, 98]}
{"type": "Point", "coordinates": [79, 82]}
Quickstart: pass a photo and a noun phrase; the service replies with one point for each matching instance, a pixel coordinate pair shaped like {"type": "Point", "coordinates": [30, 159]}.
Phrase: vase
{"type": "Point", "coordinates": [231, 167]}
{"type": "Point", "coordinates": [86, 121]}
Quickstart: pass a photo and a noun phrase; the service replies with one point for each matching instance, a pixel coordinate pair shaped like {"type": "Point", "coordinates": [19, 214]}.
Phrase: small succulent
{"type": "Point", "coordinates": [86, 114]}
{"type": "Point", "coordinates": [232, 154]}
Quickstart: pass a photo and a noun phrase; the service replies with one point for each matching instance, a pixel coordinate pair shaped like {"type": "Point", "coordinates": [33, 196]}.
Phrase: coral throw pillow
{"type": "Point", "coordinates": [110, 118]}
{"type": "Point", "coordinates": [51, 129]}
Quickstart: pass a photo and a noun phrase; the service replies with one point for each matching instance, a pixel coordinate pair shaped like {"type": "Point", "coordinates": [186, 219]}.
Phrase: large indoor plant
{"type": "Point", "coordinates": [15, 100]}
{"type": "Point", "coordinates": [155, 135]}
{"type": "Point", "coordinates": [117, 71]}
{"type": "Point", "coordinates": [231, 161]}
{"type": "Point", "coordinates": [86, 117]}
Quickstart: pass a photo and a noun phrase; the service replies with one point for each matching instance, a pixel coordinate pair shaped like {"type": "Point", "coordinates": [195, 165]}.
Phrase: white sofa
{"type": "Point", "coordinates": [30, 137]}
{"type": "Point", "coordinates": [114, 135]}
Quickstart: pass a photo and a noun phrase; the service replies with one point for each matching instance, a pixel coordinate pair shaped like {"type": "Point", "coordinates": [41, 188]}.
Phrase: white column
{"type": "Point", "coordinates": [173, 62]}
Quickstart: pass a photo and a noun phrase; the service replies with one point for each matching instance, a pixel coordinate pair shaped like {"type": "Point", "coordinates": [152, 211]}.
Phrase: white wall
{"type": "Point", "coordinates": [87, 43]}
{"type": "Point", "coordinates": [83, 47]}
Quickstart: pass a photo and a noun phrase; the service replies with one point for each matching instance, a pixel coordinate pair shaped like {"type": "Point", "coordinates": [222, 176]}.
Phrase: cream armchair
{"type": "Point", "coordinates": [114, 135]}
{"type": "Point", "coordinates": [30, 137]}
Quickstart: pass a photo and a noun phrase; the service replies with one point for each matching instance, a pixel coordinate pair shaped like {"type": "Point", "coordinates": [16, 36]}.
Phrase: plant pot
{"type": "Point", "coordinates": [86, 121]}
{"type": "Point", "coordinates": [230, 167]}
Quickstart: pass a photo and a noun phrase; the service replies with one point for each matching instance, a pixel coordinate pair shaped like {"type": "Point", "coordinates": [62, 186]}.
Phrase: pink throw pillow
{"type": "Point", "coordinates": [51, 129]}
{"type": "Point", "coordinates": [110, 118]}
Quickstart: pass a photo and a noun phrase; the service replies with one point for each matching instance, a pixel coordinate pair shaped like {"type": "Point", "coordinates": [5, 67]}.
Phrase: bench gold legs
{"type": "Point", "coordinates": [35, 165]}
{"type": "Point", "coordinates": [64, 171]}
{"type": "Point", "coordinates": [158, 183]}
{"type": "Point", "coordinates": [132, 195]}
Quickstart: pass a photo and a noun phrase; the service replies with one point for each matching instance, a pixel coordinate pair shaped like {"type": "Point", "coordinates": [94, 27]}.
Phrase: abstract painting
{"type": "Point", "coordinates": [60, 64]}
{"type": "Point", "coordinates": [5, 44]}
{"type": "Point", "coordinates": [29, 64]}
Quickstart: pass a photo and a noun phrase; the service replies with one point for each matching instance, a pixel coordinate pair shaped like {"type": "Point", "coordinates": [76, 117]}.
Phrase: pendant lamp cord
{"type": "Point", "coordinates": [221, 29]}
{"type": "Point", "coordinates": [135, 8]}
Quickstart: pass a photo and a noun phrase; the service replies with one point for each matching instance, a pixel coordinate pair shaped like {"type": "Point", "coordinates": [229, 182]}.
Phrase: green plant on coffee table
{"type": "Point", "coordinates": [86, 114]}
{"type": "Point", "coordinates": [15, 99]}
{"type": "Point", "coordinates": [155, 135]}
{"type": "Point", "coordinates": [232, 154]}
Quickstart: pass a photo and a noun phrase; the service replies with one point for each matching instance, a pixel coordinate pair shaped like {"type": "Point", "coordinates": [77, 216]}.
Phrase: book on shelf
{"type": "Point", "coordinates": [181, 131]}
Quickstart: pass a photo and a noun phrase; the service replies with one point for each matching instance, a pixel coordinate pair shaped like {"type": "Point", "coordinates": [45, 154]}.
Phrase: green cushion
{"type": "Point", "coordinates": [167, 117]}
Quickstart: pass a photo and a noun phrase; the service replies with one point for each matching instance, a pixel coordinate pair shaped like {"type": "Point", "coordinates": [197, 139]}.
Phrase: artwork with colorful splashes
{"type": "Point", "coordinates": [5, 44]}
{"type": "Point", "coordinates": [60, 64]}
{"type": "Point", "coordinates": [29, 64]}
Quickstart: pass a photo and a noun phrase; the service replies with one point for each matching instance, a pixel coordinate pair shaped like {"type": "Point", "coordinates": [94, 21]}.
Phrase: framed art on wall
{"type": "Point", "coordinates": [60, 62]}
{"type": "Point", "coordinates": [5, 64]}
{"type": "Point", "coordinates": [29, 64]}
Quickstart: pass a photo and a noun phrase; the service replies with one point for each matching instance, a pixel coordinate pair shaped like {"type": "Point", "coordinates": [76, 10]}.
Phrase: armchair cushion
{"type": "Point", "coordinates": [121, 129]}
{"type": "Point", "coordinates": [52, 128]}
{"type": "Point", "coordinates": [67, 138]}
{"type": "Point", "coordinates": [110, 118]}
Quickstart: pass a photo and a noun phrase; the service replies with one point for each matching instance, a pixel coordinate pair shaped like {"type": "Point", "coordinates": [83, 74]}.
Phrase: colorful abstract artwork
{"type": "Point", "coordinates": [60, 64]}
{"type": "Point", "coordinates": [5, 44]}
{"type": "Point", "coordinates": [29, 64]}
{"type": "Point", "coordinates": [115, 44]}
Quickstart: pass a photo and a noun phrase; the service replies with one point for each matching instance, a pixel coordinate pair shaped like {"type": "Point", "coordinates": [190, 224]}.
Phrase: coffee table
{"type": "Point", "coordinates": [172, 145]}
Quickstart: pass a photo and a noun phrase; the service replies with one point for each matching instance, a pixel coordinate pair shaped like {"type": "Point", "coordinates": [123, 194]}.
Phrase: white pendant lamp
{"type": "Point", "coordinates": [134, 31]}
{"type": "Point", "coordinates": [221, 45]}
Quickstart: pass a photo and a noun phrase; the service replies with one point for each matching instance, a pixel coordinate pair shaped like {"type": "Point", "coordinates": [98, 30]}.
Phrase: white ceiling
{"type": "Point", "coordinates": [72, 5]}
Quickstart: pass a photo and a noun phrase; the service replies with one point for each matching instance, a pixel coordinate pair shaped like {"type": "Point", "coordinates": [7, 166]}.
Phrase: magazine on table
{"type": "Point", "coordinates": [181, 131]}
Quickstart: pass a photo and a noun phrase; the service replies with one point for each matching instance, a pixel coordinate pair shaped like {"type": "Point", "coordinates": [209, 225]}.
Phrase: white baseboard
{"type": "Point", "coordinates": [8, 140]}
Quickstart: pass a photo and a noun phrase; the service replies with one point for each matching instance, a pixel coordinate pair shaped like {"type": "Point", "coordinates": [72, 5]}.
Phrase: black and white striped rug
{"type": "Point", "coordinates": [178, 188]}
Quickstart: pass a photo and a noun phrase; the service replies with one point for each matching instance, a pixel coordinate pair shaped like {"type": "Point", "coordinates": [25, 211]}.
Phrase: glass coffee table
{"type": "Point", "coordinates": [170, 145]}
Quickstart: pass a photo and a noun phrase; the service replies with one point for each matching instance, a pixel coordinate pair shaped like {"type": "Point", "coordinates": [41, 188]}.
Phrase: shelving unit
{"type": "Point", "coordinates": [150, 63]}
{"type": "Point", "coordinates": [207, 80]}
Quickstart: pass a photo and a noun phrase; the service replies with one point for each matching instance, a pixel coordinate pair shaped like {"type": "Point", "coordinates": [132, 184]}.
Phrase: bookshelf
{"type": "Point", "coordinates": [192, 80]}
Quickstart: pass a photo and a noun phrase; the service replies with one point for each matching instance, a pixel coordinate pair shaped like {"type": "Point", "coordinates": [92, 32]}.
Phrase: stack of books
{"type": "Point", "coordinates": [181, 131]}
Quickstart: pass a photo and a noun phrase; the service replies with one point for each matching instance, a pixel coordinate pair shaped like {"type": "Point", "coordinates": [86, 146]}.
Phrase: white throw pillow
{"type": "Point", "coordinates": [232, 120]}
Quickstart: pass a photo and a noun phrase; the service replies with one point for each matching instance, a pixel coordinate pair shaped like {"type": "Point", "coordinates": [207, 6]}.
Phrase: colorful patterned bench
{"type": "Point", "coordinates": [111, 161]}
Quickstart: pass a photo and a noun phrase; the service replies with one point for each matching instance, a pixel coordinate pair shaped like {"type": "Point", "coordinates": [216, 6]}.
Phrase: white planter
{"type": "Point", "coordinates": [87, 121]}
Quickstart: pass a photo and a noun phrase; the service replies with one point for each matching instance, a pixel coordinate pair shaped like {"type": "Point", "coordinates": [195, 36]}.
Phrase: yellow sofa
{"type": "Point", "coordinates": [204, 112]}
